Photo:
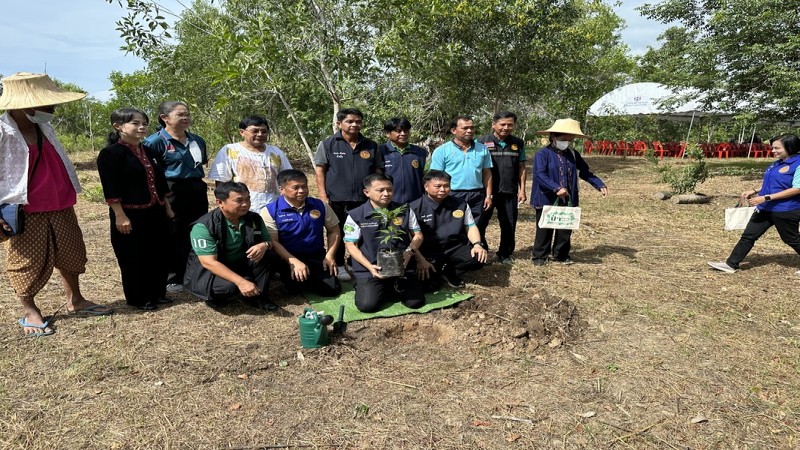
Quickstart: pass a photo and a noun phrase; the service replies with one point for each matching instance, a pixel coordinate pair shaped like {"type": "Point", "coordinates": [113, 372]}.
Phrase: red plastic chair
{"type": "Point", "coordinates": [639, 148]}
{"type": "Point", "coordinates": [756, 151]}
{"type": "Point", "coordinates": [723, 150]}
{"type": "Point", "coordinates": [708, 149]}
{"type": "Point", "coordinates": [767, 150]}
{"type": "Point", "coordinates": [606, 148]}
{"type": "Point", "coordinates": [621, 148]}
{"type": "Point", "coordinates": [681, 149]}
{"type": "Point", "coordinates": [658, 148]}
{"type": "Point", "coordinates": [587, 147]}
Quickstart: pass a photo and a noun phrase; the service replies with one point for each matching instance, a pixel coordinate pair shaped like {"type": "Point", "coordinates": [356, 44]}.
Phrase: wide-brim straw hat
{"type": "Point", "coordinates": [565, 126]}
{"type": "Point", "coordinates": [25, 90]}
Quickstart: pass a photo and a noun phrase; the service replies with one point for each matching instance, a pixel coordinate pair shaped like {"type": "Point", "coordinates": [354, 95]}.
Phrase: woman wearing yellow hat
{"type": "Point", "coordinates": [556, 169]}
{"type": "Point", "coordinates": [35, 172]}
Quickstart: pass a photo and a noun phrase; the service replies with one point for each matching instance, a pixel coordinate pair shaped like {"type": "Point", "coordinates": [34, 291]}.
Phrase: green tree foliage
{"type": "Point", "coordinates": [298, 61]}
{"type": "Point", "coordinates": [743, 54]}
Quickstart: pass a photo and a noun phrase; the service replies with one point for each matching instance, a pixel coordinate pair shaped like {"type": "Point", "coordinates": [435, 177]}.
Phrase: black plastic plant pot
{"type": "Point", "coordinates": [391, 262]}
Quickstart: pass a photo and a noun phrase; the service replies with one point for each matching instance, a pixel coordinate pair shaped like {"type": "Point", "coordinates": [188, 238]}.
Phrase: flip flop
{"type": "Point", "coordinates": [93, 311]}
{"type": "Point", "coordinates": [42, 327]}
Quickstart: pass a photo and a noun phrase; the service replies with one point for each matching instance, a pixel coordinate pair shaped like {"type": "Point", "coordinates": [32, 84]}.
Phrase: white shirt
{"type": "Point", "coordinates": [258, 170]}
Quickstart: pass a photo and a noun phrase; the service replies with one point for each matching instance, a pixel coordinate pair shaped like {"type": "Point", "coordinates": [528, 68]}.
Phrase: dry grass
{"type": "Point", "coordinates": [650, 339]}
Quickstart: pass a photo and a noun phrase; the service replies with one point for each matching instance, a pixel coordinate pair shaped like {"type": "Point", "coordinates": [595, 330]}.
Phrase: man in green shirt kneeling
{"type": "Point", "coordinates": [229, 247]}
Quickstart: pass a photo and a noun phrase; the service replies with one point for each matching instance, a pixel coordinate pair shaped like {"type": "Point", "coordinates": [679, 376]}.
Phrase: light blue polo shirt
{"type": "Point", "coordinates": [464, 167]}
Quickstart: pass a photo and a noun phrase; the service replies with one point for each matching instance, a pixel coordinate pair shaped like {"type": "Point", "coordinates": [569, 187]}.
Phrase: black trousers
{"type": "Point", "coordinates": [371, 292]}
{"type": "Point", "coordinates": [340, 209]}
{"type": "Point", "coordinates": [507, 213]}
{"type": "Point", "coordinates": [319, 281]}
{"type": "Point", "coordinates": [543, 241]}
{"type": "Point", "coordinates": [475, 199]}
{"type": "Point", "coordinates": [189, 201]}
{"type": "Point", "coordinates": [456, 259]}
{"type": "Point", "coordinates": [223, 290]}
{"type": "Point", "coordinates": [785, 222]}
{"type": "Point", "coordinates": [139, 253]}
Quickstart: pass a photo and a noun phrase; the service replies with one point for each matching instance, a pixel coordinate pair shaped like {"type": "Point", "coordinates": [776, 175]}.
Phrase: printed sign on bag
{"type": "Point", "coordinates": [560, 217]}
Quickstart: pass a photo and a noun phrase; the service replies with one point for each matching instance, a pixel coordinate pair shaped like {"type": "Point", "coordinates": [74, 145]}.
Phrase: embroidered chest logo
{"type": "Point", "coordinates": [415, 163]}
{"type": "Point", "coordinates": [514, 147]}
{"type": "Point", "coordinates": [397, 221]}
{"type": "Point", "coordinates": [458, 214]}
{"type": "Point", "coordinates": [784, 169]}
{"type": "Point", "coordinates": [364, 154]}
{"type": "Point", "coordinates": [315, 214]}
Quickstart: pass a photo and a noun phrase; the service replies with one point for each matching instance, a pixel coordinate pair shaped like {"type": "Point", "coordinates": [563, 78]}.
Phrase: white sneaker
{"type": "Point", "coordinates": [342, 274]}
{"type": "Point", "coordinates": [722, 266]}
{"type": "Point", "coordinates": [173, 287]}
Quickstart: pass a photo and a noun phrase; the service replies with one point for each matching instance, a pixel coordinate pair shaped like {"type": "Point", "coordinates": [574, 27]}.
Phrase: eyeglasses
{"type": "Point", "coordinates": [258, 132]}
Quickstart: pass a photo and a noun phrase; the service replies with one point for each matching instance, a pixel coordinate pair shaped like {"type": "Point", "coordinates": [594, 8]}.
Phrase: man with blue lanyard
{"type": "Point", "coordinates": [298, 227]}
{"type": "Point", "coordinates": [508, 178]}
{"type": "Point", "coordinates": [402, 161]}
{"type": "Point", "coordinates": [469, 164]}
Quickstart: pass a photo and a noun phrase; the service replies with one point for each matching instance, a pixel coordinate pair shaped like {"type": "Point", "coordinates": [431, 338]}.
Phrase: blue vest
{"type": "Point", "coordinates": [370, 244]}
{"type": "Point", "coordinates": [300, 233]}
{"type": "Point", "coordinates": [406, 170]}
{"type": "Point", "coordinates": [442, 224]}
{"type": "Point", "coordinates": [778, 177]}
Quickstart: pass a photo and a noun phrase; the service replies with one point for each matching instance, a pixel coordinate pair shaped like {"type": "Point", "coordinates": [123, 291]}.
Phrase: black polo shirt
{"type": "Point", "coordinates": [507, 156]}
{"type": "Point", "coordinates": [347, 167]}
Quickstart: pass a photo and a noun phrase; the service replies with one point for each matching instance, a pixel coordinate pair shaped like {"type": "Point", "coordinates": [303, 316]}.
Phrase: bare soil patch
{"type": "Point", "coordinates": [638, 345]}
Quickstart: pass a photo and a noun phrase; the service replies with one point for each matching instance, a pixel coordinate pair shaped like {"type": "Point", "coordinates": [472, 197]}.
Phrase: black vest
{"type": "Point", "coordinates": [347, 167]}
{"type": "Point", "coordinates": [198, 279]}
{"type": "Point", "coordinates": [370, 244]}
{"type": "Point", "coordinates": [442, 224]}
{"type": "Point", "coordinates": [505, 163]}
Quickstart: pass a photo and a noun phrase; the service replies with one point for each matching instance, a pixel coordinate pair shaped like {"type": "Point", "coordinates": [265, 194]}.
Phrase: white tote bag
{"type": "Point", "coordinates": [560, 217]}
{"type": "Point", "coordinates": [737, 218]}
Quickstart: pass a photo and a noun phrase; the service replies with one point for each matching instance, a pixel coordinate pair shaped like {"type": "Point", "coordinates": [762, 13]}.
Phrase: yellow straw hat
{"type": "Point", "coordinates": [565, 126]}
{"type": "Point", "coordinates": [25, 90]}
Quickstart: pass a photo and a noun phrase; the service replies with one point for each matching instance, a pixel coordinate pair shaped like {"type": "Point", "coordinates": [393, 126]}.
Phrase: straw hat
{"type": "Point", "coordinates": [25, 90]}
{"type": "Point", "coordinates": [565, 126]}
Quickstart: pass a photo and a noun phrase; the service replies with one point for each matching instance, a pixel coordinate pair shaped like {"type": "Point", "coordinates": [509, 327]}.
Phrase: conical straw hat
{"type": "Point", "coordinates": [565, 126]}
{"type": "Point", "coordinates": [30, 90]}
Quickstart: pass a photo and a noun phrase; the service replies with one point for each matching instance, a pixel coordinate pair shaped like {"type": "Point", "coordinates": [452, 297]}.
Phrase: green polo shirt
{"type": "Point", "coordinates": [204, 245]}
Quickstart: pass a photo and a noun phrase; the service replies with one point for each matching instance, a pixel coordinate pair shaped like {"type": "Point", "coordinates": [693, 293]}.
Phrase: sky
{"type": "Point", "coordinates": [79, 44]}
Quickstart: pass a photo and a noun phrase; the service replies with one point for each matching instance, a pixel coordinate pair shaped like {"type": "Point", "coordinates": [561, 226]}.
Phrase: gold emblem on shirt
{"type": "Point", "coordinates": [397, 221]}
{"type": "Point", "coordinates": [415, 163]}
{"type": "Point", "coordinates": [364, 154]}
{"type": "Point", "coordinates": [315, 214]}
{"type": "Point", "coordinates": [514, 147]}
{"type": "Point", "coordinates": [458, 214]}
{"type": "Point", "coordinates": [784, 169]}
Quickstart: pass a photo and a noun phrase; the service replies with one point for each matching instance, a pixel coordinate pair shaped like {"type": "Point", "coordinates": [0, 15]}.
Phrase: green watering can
{"type": "Point", "coordinates": [313, 329]}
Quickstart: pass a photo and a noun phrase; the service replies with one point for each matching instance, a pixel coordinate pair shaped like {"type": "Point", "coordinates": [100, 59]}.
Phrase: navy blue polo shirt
{"type": "Point", "coordinates": [443, 224]}
{"type": "Point", "coordinates": [507, 157]}
{"type": "Point", "coordinates": [300, 232]}
{"type": "Point", "coordinates": [347, 166]}
{"type": "Point", "coordinates": [406, 167]}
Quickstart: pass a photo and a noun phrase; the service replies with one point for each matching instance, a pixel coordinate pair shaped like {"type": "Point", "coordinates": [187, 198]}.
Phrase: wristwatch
{"type": "Point", "coordinates": [767, 198]}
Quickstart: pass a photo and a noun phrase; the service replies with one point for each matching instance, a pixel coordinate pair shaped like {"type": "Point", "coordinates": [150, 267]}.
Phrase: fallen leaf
{"type": "Point", "coordinates": [301, 358]}
{"type": "Point", "coordinates": [243, 376]}
{"type": "Point", "coordinates": [235, 407]}
{"type": "Point", "coordinates": [699, 419]}
{"type": "Point", "coordinates": [98, 391]}
{"type": "Point", "coordinates": [512, 437]}
{"type": "Point", "coordinates": [283, 363]}
{"type": "Point", "coordinates": [554, 343]}
{"type": "Point", "coordinates": [588, 414]}
{"type": "Point", "coordinates": [480, 423]}
{"type": "Point", "coordinates": [579, 357]}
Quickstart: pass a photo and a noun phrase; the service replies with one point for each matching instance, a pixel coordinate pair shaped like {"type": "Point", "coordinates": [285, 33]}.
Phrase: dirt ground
{"type": "Point", "coordinates": [638, 345]}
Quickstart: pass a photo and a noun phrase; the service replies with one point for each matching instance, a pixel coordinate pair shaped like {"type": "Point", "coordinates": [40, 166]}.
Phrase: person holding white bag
{"type": "Point", "coordinates": [777, 203]}
{"type": "Point", "coordinates": [556, 169]}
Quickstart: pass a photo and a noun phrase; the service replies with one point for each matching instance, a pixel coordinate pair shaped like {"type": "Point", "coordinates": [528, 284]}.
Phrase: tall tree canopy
{"type": "Point", "coordinates": [743, 54]}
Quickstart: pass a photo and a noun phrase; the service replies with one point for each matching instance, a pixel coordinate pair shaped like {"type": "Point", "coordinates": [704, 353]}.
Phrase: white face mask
{"type": "Point", "coordinates": [40, 117]}
{"type": "Point", "coordinates": [562, 145]}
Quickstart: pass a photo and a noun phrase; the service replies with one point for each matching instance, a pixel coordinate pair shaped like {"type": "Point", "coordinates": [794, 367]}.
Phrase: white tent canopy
{"type": "Point", "coordinates": [650, 99]}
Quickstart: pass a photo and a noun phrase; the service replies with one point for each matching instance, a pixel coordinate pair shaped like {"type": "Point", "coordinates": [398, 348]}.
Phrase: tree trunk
{"type": "Point", "coordinates": [690, 199]}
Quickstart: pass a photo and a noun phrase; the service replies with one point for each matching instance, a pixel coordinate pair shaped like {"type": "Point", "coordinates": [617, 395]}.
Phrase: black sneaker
{"type": "Point", "coordinates": [267, 305]}
{"type": "Point", "coordinates": [539, 262]}
{"type": "Point", "coordinates": [453, 280]}
{"type": "Point", "coordinates": [164, 301]}
{"type": "Point", "coordinates": [507, 260]}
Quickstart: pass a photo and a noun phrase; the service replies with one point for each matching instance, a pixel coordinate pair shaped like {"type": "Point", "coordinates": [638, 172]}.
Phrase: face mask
{"type": "Point", "coordinates": [562, 145]}
{"type": "Point", "coordinates": [40, 117]}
